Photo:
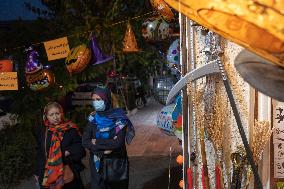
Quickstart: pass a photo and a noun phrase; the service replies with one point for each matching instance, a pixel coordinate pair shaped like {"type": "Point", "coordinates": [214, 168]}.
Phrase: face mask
{"type": "Point", "coordinates": [99, 105]}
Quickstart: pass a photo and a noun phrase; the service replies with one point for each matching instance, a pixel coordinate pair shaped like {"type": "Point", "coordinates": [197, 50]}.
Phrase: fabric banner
{"type": "Point", "coordinates": [57, 49]}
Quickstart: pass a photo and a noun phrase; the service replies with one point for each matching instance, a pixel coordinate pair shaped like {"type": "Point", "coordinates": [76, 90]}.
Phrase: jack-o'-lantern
{"type": "Point", "coordinates": [6, 65]}
{"type": "Point", "coordinates": [78, 59]}
{"type": "Point", "coordinates": [40, 80]}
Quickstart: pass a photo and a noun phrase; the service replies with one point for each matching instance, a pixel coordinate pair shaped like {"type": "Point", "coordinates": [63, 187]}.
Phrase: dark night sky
{"type": "Point", "coordinates": [13, 9]}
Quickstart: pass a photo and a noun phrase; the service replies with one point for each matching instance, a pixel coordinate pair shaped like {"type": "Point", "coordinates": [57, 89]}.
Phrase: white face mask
{"type": "Point", "coordinates": [99, 105]}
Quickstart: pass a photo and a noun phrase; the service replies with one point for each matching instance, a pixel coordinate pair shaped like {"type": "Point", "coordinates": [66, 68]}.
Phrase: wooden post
{"type": "Point", "coordinates": [184, 99]}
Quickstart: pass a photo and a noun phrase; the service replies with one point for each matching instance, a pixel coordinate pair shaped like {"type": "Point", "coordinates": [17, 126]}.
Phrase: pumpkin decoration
{"type": "Point", "coordinates": [6, 65]}
{"type": "Point", "coordinates": [78, 59]}
{"type": "Point", "coordinates": [163, 9]}
{"type": "Point", "coordinates": [40, 80]}
{"type": "Point", "coordinates": [179, 159]}
{"type": "Point", "coordinates": [155, 29]}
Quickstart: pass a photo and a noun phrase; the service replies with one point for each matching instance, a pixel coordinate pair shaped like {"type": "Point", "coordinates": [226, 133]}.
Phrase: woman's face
{"type": "Point", "coordinates": [54, 116]}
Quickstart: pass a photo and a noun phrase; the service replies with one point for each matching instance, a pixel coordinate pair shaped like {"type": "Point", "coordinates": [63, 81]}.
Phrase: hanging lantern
{"type": "Point", "coordinates": [163, 9]}
{"type": "Point", "coordinates": [32, 63]}
{"type": "Point", "coordinates": [97, 55]}
{"type": "Point", "coordinates": [78, 59]}
{"type": "Point", "coordinates": [257, 25]}
{"type": "Point", "coordinates": [40, 80]}
{"type": "Point", "coordinates": [155, 29]}
{"type": "Point", "coordinates": [6, 65]}
{"type": "Point", "coordinates": [129, 42]}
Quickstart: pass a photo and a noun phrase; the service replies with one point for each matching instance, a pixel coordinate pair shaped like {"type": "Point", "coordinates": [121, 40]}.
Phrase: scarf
{"type": "Point", "coordinates": [53, 174]}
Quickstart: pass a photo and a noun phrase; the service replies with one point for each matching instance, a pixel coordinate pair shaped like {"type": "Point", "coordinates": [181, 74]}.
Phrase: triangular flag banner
{"type": "Point", "coordinates": [129, 42]}
{"type": "Point", "coordinates": [97, 55]}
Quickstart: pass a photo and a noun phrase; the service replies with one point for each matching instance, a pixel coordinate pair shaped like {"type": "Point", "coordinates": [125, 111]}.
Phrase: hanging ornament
{"type": "Point", "coordinates": [78, 59]}
{"type": "Point", "coordinates": [40, 80]}
{"type": "Point", "coordinates": [155, 29]}
{"type": "Point", "coordinates": [32, 63]}
{"type": "Point", "coordinates": [97, 55]}
{"type": "Point", "coordinates": [6, 65]}
{"type": "Point", "coordinates": [163, 9]}
{"type": "Point", "coordinates": [173, 55]}
{"type": "Point", "coordinates": [164, 120]}
{"type": "Point", "coordinates": [129, 42]}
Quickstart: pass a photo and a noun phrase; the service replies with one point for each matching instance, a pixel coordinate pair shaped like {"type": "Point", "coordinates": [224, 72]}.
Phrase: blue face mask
{"type": "Point", "coordinates": [99, 105]}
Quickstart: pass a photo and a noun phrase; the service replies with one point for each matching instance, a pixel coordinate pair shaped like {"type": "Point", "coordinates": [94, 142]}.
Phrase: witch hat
{"type": "Point", "coordinates": [129, 42]}
{"type": "Point", "coordinates": [97, 55]}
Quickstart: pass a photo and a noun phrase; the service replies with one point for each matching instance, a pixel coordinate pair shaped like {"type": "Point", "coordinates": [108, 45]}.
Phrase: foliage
{"type": "Point", "coordinates": [18, 147]}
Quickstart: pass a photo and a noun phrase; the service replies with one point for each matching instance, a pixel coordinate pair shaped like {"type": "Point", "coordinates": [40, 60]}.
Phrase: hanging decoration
{"type": "Point", "coordinates": [57, 48]}
{"type": "Point", "coordinates": [251, 24]}
{"type": "Point", "coordinates": [163, 9]}
{"type": "Point", "coordinates": [37, 78]}
{"type": "Point", "coordinates": [164, 120]}
{"type": "Point", "coordinates": [97, 55]}
{"type": "Point", "coordinates": [40, 80]}
{"type": "Point", "coordinates": [173, 55]}
{"type": "Point", "coordinates": [129, 42]}
{"type": "Point", "coordinates": [78, 59]}
{"type": "Point", "coordinates": [32, 63]}
{"type": "Point", "coordinates": [6, 65]}
{"type": "Point", "coordinates": [177, 118]}
{"type": "Point", "coordinates": [155, 29]}
{"type": "Point", "coordinates": [8, 81]}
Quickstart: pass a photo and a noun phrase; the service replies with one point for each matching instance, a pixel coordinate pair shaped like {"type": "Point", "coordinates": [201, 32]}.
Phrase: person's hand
{"type": "Point", "coordinates": [115, 137]}
{"type": "Point", "coordinates": [94, 141]}
{"type": "Point", "coordinates": [66, 153]}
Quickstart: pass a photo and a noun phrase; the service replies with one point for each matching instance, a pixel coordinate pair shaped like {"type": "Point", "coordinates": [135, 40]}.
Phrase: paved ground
{"type": "Point", "coordinates": [149, 154]}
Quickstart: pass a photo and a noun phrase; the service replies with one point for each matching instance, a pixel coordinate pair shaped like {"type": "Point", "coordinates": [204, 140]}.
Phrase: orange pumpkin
{"type": "Point", "coordinates": [179, 159]}
{"type": "Point", "coordinates": [6, 65]}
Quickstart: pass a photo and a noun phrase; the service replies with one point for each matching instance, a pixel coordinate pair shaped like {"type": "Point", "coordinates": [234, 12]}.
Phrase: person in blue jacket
{"type": "Point", "coordinates": [106, 134]}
